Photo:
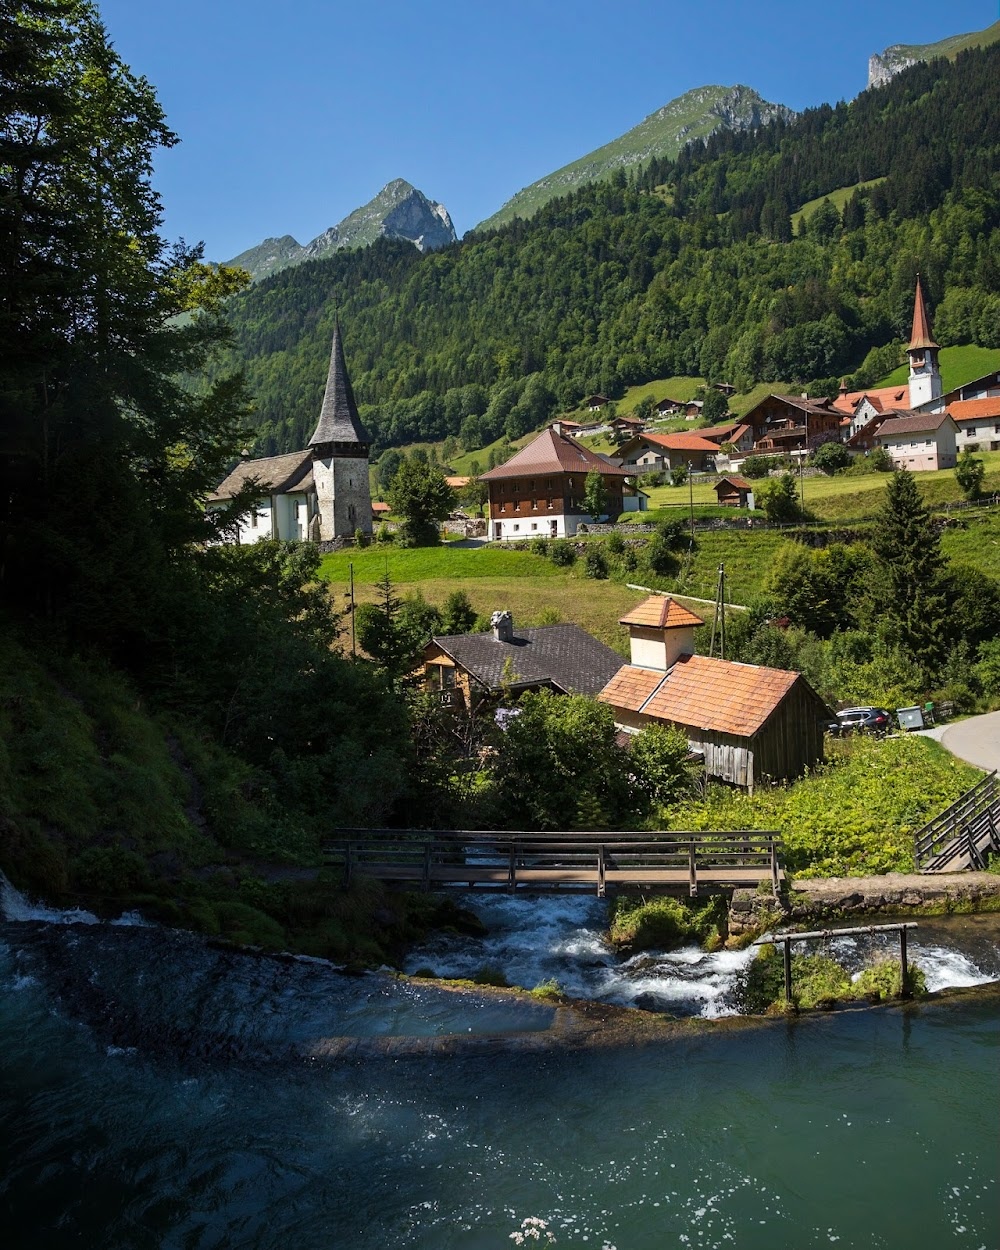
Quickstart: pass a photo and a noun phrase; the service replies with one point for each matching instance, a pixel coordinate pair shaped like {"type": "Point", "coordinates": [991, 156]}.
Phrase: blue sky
{"type": "Point", "coordinates": [292, 114]}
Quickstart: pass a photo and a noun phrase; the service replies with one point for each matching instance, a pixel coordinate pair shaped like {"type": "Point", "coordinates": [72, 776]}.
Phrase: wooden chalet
{"type": "Point", "coordinates": [595, 402]}
{"type": "Point", "coordinates": [747, 722]}
{"type": "Point", "coordinates": [732, 491]}
{"type": "Point", "coordinates": [464, 669]}
{"type": "Point", "coordinates": [669, 407]}
{"type": "Point", "coordinates": [539, 492]}
{"type": "Point", "coordinates": [786, 423]}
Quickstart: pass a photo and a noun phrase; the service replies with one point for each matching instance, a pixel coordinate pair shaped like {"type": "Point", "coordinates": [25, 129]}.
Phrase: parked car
{"type": "Point", "coordinates": [872, 720]}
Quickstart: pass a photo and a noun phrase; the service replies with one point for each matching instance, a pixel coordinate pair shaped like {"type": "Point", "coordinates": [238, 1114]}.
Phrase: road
{"type": "Point", "coordinates": [975, 740]}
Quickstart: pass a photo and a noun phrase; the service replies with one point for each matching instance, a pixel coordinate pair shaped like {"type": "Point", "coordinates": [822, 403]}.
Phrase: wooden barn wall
{"type": "Point", "coordinates": [792, 740]}
{"type": "Point", "coordinates": [727, 757]}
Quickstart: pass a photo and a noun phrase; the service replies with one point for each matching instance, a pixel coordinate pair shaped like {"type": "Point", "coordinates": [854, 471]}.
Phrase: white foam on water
{"type": "Point", "coordinates": [947, 969]}
{"type": "Point", "coordinates": [14, 907]}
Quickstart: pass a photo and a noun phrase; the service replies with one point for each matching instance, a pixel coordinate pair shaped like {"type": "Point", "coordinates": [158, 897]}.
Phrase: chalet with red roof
{"type": "Point", "coordinates": [649, 453]}
{"type": "Point", "coordinates": [749, 723]}
{"type": "Point", "coordinates": [539, 492]}
{"type": "Point", "coordinates": [978, 422]}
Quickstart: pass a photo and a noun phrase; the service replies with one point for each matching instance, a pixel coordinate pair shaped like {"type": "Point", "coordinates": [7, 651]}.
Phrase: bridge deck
{"type": "Point", "coordinates": [473, 876]}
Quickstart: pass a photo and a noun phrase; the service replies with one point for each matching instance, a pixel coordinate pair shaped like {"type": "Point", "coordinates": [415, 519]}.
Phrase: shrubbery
{"type": "Point", "coordinates": [562, 553]}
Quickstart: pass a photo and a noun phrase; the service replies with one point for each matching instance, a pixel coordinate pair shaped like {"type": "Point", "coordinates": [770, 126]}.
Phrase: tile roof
{"type": "Point", "coordinates": [880, 398]}
{"type": "Point", "coordinates": [554, 453]}
{"type": "Point", "coordinates": [677, 442]}
{"type": "Point", "coordinates": [969, 409]}
{"type": "Point", "coordinates": [660, 612]}
{"type": "Point", "coordinates": [717, 434]}
{"type": "Point", "coordinates": [275, 475]}
{"type": "Point", "coordinates": [456, 483]}
{"type": "Point", "coordinates": [631, 687]}
{"type": "Point", "coordinates": [901, 421]}
{"type": "Point", "coordinates": [703, 693]}
{"type": "Point", "coordinates": [380, 507]}
{"type": "Point", "coordinates": [739, 482]}
{"type": "Point", "coordinates": [565, 655]}
{"type": "Point", "coordinates": [338, 417]}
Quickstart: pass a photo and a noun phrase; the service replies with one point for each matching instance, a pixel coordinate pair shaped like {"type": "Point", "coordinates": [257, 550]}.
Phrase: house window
{"type": "Point", "coordinates": [534, 505]}
{"type": "Point", "coordinates": [516, 528]}
{"type": "Point", "coordinates": [548, 480]}
{"type": "Point", "coordinates": [533, 525]}
{"type": "Point", "coordinates": [253, 518]}
{"type": "Point", "coordinates": [517, 505]}
{"type": "Point", "coordinates": [549, 505]}
{"type": "Point", "coordinates": [531, 484]}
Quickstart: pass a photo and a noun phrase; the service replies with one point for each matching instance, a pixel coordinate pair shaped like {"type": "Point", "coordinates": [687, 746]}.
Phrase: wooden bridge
{"type": "Point", "coordinates": [964, 835]}
{"type": "Point", "coordinates": [679, 863]}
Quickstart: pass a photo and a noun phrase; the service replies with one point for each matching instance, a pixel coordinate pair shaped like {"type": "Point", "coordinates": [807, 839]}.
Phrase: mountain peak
{"type": "Point", "coordinates": [398, 211]}
{"type": "Point", "coordinates": [882, 66]}
{"type": "Point", "coordinates": [694, 115]}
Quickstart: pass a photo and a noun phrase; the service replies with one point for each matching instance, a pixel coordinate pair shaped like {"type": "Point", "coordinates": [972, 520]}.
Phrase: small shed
{"type": "Point", "coordinates": [733, 491]}
{"type": "Point", "coordinates": [747, 722]}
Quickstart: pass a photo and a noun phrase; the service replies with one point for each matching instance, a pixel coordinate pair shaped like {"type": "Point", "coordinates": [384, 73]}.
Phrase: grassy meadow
{"type": "Point", "coordinates": [958, 365]}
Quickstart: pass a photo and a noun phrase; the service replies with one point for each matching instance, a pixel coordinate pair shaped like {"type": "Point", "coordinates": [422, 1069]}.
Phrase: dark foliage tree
{"type": "Point", "coordinates": [421, 496]}
{"type": "Point", "coordinates": [911, 592]}
{"type": "Point", "coordinates": [969, 473]}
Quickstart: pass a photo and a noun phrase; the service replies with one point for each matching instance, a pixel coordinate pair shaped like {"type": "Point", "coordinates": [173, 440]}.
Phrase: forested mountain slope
{"type": "Point", "coordinates": [689, 268]}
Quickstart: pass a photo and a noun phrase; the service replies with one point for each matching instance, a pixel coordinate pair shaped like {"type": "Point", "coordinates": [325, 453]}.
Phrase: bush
{"type": "Point", "coordinates": [969, 473]}
{"type": "Point", "coordinates": [879, 460]}
{"type": "Point", "coordinates": [832, 457]}
{"type": "Point", "coordinates": [779, 499]}
{"type": "Point", "coordinates": [384, 534]}
{"type": "Point", "coordinates": [656, 478]}
{"type": "Point", "coordinates": [596, 563]}
{"type": "Point", "coordinates": [562, 553]}
{"type": "Point", "coordinates": [658, 556]}
{"type": "Point", "coordinates": [664, 923]}
{"type": "Point", "coordinates": [615, 543]}
{"type": "Point", "coordinates": [539, 546]}
{"type": "Point", "coordinates": [757, 466]}
{"type": "Point", "coordinates": [360, 538]}
{"type": "Point", "coordinates": [678, 475]}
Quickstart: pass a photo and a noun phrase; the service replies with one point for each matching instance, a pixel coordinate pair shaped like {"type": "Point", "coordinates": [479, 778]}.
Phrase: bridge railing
{"type": "Point", "coordinates": [966, 829]}
{"type": "Point", "coordinates": [504, 859]}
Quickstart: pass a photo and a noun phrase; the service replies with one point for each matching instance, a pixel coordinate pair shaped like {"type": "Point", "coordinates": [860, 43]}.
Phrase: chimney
{"type": "Point", "coordinates": [556, 427]}
{"type": "Point", "coordinates": [502, 624]}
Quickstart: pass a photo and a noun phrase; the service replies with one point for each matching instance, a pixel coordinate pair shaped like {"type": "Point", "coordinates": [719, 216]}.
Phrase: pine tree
{"type": "Point", "coordinates": [910, 567]}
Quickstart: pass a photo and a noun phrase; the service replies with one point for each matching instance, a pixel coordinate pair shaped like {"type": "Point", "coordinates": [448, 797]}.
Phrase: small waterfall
{"type": "Point", "coordinates": [15, 907]}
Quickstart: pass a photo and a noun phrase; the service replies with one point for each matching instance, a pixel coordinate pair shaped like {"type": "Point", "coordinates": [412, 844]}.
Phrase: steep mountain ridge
{"type": "Point", "coordinates": [882, 66]}
{"type": "Point", "coordinates": [694, 115]}
{"type": "Point", "coordinates": [399, 211]}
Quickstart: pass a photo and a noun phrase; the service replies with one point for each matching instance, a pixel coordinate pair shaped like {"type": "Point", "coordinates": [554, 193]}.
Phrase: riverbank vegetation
{"type": "Point", "coordinates": [821, 982]}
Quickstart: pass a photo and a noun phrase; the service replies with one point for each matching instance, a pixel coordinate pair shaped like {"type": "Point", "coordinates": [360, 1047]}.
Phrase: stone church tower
{"type": "Point", "coordinates": [925, 377]}
{"type": "Point", "coordinates": [339, 447]}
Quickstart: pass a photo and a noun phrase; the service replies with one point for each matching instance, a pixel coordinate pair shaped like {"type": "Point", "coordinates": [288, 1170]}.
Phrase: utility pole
{"type": "Point", "coordinates": [354, 644]}
{"type": "Point", "coordinates": [719, 620]}
{"type": "Point", "coordinates": [691, 499]}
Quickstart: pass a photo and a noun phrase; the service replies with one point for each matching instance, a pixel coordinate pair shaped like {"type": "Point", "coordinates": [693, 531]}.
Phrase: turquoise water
{"type": "Point", "coordinates": [148, 1099]}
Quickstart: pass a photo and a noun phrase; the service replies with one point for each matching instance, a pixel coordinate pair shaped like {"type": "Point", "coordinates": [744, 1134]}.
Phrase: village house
{"type": "Point", "coordinates": [669, 407]}
{"type": "Point", "coordinates": [624, 427]}
{"type": "Point", "coordinates": [596, 402]}
{"type": "Point", "coordinates": [732, 491]}
{"type": "Point", "coordinates": [464, 669]}
{"type": "Point", "coordinates": [978, 422]}
{"type": "Point", "coordinates": [919, 440]}
{"type": "Point", "coordinates": [318, 494]}
{"type": "Point", "coordinates": [747, 722]}
{"type": "Point", "coordinates": [787, 423]}
{"type": "Point", "coordinates": [539, 492]}
{"type": "Point", "coordinates": [737, 433]}
{"type": "Point", "coordinates": [648, 453]}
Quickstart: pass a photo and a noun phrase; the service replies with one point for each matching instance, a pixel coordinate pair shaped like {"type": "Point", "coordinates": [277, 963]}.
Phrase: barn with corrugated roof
{"type": "Point", "coordinates": [749, 723]}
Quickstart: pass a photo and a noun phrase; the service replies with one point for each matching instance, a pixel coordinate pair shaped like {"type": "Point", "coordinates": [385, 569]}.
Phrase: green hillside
{"type": "Point", "coordinates": [692, 116]}
{"type": "Point", "coordinates": [612, 287]}
{"type": "Point", "coordinates": [958, 366]}
{"type": "Point", "coordinates": [837, 198]}
{"type": "Point", "coordinates": [949, 47]}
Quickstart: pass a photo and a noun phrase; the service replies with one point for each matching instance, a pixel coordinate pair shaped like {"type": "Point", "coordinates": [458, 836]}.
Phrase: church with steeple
{"type": "Point", "coordinates": [316, 495]}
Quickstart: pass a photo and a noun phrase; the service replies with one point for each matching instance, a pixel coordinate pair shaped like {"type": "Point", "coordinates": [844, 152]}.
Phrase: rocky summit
{"type": "Point", "coordinates": [882, 66]}
{"type": "Point", "coordinates": [399, 211]}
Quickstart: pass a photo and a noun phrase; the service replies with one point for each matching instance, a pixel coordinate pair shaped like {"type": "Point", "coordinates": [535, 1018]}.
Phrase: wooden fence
{"type": "Point", "coordinates": [964, 834]}
{"type": "Point", "coordinates": [546, 862]}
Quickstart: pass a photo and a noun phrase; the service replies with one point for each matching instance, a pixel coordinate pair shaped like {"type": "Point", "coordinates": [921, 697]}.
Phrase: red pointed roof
{"type": "Point", "coordinates": [921, 336]}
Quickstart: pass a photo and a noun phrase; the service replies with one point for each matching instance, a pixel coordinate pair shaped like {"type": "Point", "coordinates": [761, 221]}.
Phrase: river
{"type": "Point", "coordinates": [152, 1094]}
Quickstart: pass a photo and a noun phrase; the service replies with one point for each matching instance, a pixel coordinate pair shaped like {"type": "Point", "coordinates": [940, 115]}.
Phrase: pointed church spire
{"type": "Point", "coordinates": [338, 418]}
{"type": "Point", "coordinates": [921, 335]}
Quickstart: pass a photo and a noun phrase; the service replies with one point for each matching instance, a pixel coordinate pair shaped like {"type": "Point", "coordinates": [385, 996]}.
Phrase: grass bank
{"type": "Point", "coordinates": [854, 816]}
{"type": "Point", "coordinates": [107, 803]}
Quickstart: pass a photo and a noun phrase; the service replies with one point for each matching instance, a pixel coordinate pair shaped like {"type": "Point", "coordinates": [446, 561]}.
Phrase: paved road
{"type": "Point", "coordinates": [976, 740]}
